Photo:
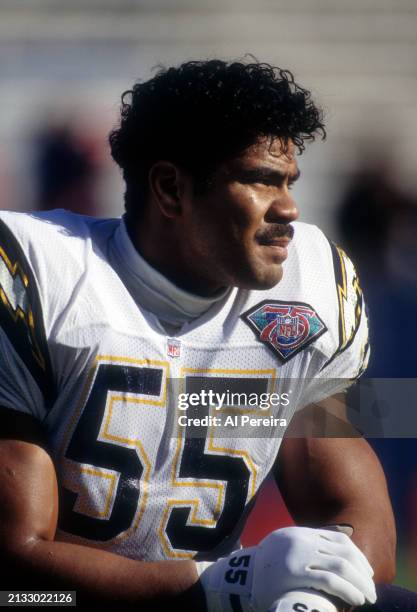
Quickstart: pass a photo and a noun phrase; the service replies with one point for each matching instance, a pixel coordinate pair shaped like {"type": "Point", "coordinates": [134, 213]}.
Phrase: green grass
{"type": "Point", "coordinates": [406, 574]}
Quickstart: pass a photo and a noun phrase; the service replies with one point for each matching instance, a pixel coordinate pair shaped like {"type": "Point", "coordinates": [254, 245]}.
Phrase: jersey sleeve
{"type": "Point", "coordinates": [25, 369]}
{"type": "Point", "coordinates": [351, 354]}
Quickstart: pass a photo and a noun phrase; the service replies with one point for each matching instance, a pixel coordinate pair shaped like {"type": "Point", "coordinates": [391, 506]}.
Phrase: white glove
{"type": "Point", "coordinates": [305, 601]}
{"type": "Point", "coordinates": [289, 559]}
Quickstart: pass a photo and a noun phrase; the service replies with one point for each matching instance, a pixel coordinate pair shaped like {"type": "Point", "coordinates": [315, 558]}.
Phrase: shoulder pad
{"type": "Point", "coordinates": [21, 316]}
{"type": "Point", "coordinates": [349, 295]}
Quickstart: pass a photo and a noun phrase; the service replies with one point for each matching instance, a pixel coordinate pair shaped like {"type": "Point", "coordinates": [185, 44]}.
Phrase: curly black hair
{"type": "Point", "coordinates": [205, 112]}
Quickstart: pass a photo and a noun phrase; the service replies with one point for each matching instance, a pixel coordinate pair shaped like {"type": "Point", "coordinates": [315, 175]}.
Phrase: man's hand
{"type": "Point", "coordinates": [286, 560]}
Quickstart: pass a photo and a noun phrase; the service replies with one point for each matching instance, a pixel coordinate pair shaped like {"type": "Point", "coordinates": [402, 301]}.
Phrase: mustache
{"type": "Point", "coordinates": [278, 230]}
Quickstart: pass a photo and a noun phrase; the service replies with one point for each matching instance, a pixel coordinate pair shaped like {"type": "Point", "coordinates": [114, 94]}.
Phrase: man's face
{"type": "Point", "coordinates": [238, 232]}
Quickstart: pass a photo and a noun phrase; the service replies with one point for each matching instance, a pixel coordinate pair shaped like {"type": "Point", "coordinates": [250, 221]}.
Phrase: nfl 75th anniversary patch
{"type": "Point", "coordinates": [286, 328]}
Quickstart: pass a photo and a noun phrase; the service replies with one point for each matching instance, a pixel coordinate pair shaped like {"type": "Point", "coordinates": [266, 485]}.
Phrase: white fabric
{"type": "Point", "coordinates": [93, 323]}
{"type": "Point", "coordinates": [303, 600]}
{"type": "Point", "coordinates": [154, 292]}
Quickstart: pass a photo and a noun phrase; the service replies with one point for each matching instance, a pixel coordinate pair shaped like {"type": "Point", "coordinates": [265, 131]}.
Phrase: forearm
{"type": "Point", "coordinates": [341, 481]}
{"type": "Point", "coordinates": [99, 576]}
{"type": "Point", "coordinates": [32, 558]}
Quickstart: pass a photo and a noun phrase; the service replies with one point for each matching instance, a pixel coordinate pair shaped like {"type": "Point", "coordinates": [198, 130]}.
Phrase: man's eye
{"type": "Point", "coordinates": [268, 182]}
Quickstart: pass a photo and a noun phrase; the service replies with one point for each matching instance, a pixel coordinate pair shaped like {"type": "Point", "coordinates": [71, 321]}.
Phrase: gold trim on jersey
{"type": "Point", "coordinates": [144, 362]}
{"type": "Point", "coordinates": [108, 503]}
{"type": "Point", "coordinates": [104, 433]}
{"type": "Point", "coordinates": [195, 503]}
{"type": "Point", "coordinates": [343, 298]}
{"type": "Point", "coordinates": [15, 270]}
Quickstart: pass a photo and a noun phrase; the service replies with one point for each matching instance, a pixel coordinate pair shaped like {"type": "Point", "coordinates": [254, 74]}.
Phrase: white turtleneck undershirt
{"type": "Point", "coordinates": [172, 306]}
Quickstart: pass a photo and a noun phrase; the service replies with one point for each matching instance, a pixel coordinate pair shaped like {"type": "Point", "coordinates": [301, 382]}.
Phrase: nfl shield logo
{"type": "Point", "coordinates": [173, 347]}
{"type": "Point", "coordinates": [288, 326]}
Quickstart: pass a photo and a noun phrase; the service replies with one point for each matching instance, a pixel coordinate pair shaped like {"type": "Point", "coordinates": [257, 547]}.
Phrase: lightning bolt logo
{"type": "Point", "coordinates": [350, 299]}
{"type": "Point", "coordinates": [14, 294]}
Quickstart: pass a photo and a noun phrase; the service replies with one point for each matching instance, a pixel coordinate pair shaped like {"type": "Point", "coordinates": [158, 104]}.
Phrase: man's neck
{"type": "Point", "coordinates": [154, 291]}
{"type": "Point", "coordinates": [163, 254]}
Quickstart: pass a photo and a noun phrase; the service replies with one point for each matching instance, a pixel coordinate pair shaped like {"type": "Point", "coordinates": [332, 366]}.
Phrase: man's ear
{"type": "Point", "coordinates": [167, 186]}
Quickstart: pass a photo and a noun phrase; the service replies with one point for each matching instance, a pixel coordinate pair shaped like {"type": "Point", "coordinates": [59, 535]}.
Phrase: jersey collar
{"type": "Point", "coordinates": [153, 291]}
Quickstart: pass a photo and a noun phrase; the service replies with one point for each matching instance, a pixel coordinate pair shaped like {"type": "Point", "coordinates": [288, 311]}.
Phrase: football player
{"type": "Point", "coordinates": [207, 282]}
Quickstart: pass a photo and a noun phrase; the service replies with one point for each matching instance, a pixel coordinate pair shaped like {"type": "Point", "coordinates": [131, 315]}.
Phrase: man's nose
{"type": "Point", "coordinates": [283, 209]}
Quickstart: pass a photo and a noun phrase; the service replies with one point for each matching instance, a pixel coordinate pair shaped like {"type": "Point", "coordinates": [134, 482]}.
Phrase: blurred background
{"type": "Point", "coordinates": [64, 65]}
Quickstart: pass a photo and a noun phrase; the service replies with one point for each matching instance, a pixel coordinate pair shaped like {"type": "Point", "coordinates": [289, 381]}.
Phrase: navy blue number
{"type": "Point", "coordinates": [196, 464]}
{"type": "Point", "coordinates": [86, 448]}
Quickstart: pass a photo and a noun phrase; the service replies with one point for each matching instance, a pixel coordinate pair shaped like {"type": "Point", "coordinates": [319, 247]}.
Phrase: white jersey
{"type": "Point", "coordinates": [101, 376]}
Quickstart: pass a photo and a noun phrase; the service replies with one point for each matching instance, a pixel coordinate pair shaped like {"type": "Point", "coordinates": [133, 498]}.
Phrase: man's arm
{"type": "Point", "coordinates": [333, 480]}
{"type": "Point", "coordinates": [32, 559]}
